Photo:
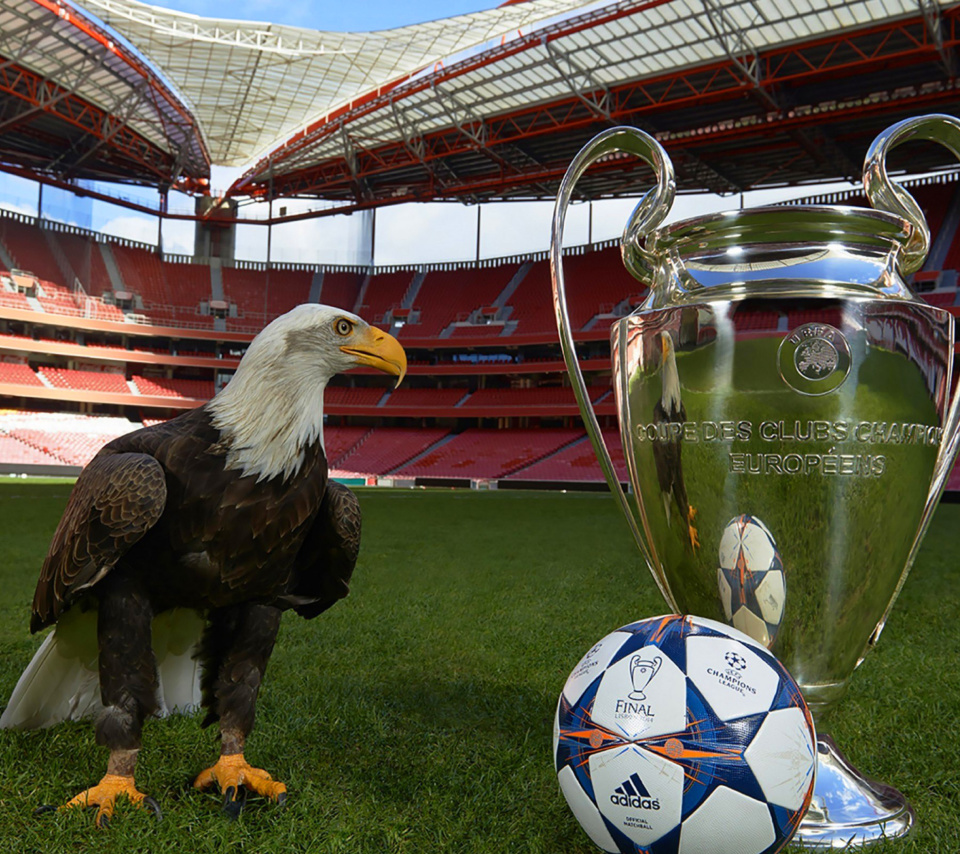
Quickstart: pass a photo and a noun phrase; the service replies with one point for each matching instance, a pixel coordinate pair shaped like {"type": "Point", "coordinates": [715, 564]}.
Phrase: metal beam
{"type": "Point", "coordinates": [580, 81]}
{"type": "Point", "coordinates": [677, 96]}
{"type": "Point", "coordinates": [933, 19]}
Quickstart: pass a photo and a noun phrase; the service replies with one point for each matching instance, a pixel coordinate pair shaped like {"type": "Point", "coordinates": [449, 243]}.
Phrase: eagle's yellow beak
{"type": "Point", "coordinates": [377, 349]}
{"type": "Point", "coordinates": [665, 343]}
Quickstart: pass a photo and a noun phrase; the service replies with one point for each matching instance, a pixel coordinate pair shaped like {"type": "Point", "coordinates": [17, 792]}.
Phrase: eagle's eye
{"type": "Point", "coordinates": [343, 326]}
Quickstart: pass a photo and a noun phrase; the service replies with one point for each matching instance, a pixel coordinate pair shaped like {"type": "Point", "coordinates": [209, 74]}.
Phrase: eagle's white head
{"type": "Point", "coordinates": [272, 408]}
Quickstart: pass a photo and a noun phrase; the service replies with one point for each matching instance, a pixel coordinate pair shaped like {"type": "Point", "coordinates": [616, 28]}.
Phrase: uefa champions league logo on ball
{"type": "Point", "coordinates": [641, 672]}
{"type": "Point", "coordinates": [735, 661]}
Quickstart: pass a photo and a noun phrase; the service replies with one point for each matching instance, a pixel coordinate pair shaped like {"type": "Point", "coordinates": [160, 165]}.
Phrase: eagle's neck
{"type": "Point", "coordinates": [269, 417]}
{"type": "Point", "coordinates": [671, 384]}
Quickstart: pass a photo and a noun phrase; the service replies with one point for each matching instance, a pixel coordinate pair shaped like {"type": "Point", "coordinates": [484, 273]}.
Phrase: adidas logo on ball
{"type": "Point", "coordinates": [632, 793]}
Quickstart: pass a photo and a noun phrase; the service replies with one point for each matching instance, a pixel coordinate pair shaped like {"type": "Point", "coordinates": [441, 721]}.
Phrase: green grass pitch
{"type": "Point", "coordinates": [416, 716]}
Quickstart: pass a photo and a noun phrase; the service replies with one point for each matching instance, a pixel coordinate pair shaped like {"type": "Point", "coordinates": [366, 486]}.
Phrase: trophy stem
{"type": "Point", "coordinates": [849, 810]}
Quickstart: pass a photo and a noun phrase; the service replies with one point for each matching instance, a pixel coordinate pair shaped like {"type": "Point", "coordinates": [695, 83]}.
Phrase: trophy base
{"type": "Point", "coordinates": [849, 810]}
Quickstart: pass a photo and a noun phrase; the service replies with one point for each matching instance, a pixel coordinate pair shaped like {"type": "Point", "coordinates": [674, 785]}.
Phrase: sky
{"type": "Point", "coordinates": [356, 16]}
{"type": "Point", "coordinates": [405, 234]}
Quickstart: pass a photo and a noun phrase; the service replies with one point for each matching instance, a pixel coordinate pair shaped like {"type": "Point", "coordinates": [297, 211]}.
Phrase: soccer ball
{"type": "Point", "coordinates": [679, 735]}
{"type": "Point", "coordinates": [753, 588]}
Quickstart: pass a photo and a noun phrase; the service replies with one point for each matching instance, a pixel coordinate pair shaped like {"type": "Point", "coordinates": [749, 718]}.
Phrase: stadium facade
{"type": "Point", "coordinates": [99, 334]}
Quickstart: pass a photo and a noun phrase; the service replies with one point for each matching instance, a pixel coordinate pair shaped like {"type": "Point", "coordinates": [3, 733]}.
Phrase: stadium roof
{"type": "Point", "coordinates": [743, 93]}
{"type": "Point", "coordinates": [252, 85]}
{"type": "Point", "coordinates": [491, 105]}
{"type": "Point", "coordinates": [77, 102]}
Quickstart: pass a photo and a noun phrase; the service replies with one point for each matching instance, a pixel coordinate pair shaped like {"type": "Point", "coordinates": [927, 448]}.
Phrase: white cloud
{"type": "Point", "coordinates": [140, 228]}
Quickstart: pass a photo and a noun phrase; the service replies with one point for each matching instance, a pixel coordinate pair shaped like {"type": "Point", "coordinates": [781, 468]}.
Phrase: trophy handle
{"type": "Point", "coordinates": [647, 215]}
{"type": "Point", "coordinates": [886, 196]}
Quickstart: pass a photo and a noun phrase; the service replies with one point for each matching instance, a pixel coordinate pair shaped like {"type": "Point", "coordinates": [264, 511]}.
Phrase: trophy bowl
{"type": "Point", "coordinates": [785, 413]}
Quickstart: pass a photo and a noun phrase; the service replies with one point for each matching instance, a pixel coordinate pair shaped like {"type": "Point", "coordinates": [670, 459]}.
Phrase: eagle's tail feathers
{"type": "Point", "coordinates": [62, 681]}
{"type": "Point", "coordinates": [176, 636]}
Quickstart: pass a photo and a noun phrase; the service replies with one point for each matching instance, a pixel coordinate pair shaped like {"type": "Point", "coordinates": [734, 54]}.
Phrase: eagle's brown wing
{"type": "Point", "coordinates": [115, 501]}
{"type": "Point", "coordinates": [326, 560]}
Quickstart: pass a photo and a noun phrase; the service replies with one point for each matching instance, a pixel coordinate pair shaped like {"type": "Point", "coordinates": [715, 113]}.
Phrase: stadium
{"type": "Point", "coordinates": [132, 106]}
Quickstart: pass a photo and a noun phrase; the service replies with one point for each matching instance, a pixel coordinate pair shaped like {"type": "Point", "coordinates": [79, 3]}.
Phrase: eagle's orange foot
{"type": "Point", "coordinates": [104, 796]}
{"type": "Point", "coordinates": [231, 773]}
{"type": "Point", "coordinates": [694, 536]}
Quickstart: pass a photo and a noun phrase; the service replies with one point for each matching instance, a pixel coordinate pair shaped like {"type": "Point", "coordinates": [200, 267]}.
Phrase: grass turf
{"type": "Point", "coordinates": [416, 715]}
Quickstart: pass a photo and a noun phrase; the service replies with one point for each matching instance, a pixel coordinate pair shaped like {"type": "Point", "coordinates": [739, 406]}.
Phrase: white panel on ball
{"type": "Point", "coordinates": [771, 594]}
{"type": "Point", "coordinates": [585, 811]}
{"type": "Point", "coordinates": [592, 665]}
{"type": "Point", "coordinates": [730, 546]}
{"type": "Point", "coordinates": [643, 694]}
{"type": "Point", "coordinates": [766, 530]}
{"type": "Point", "coordinates": [751, 832]}
{"type": "Point", "coordinates": [782, 757]}
{"type": "Point", "coordinates": [724, 629]}
{"type": "Point", "coordinates": [749, 623]}
{"type": "Point", "coordinates": [640, 793]}
{"type": "Point", "coordinates": [757, 548]}
{"type": "Point", "coordinates": [734, 681]}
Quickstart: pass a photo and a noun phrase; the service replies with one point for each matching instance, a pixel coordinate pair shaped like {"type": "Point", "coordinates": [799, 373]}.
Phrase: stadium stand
{"type": "Point", "coordinates": [530, 306]}
{"type": "Point", "coordinates": [14, 299]}
{"type": "Point", "coordinates": [19, 374]}
{"type": "Point", "coordinates": [171, 387]}
{"type": "Point", "coordinates": [450, 295]}
{"type": "Point", "coordinates": [188, 284]}
{"type": "Point", "coordinates": [341, 289]}
{"type": "Point", "coordinates": [577, 463]}
{"type": "Point", "coordinates": [385, 449]}
{"type": "Point", "coordinates": [340, 441]}
{"type": "Point", "coordinates": [477, 330]}
{"type": "Point", "coordinates": [755, 321]}
{"type": "Point", "coordinates": [444, 308]}
{"type": "Point", "coordinates": [85, 380]}
{"type": "Point", "coordinates": [338, 397]}
{"type": "Point", "coordinates": [287, 289]}
{"type": "Point", "coordinates": [86, 261]}
{"type": "Point", "coordinates": [14, 451]}
{"type": "Point", "coordinates": [49, 438]}
{"type": "Point", "coordinates": [487, 453]}
{"type": "Point", "coordinates": [70, 448]}
{"type": "Point", "coordinates": [143, 274]}
{"type": "Point", "coordinates": [509, 398]}
{"type": "Point", "coordinates": [382, 293]}
{"type": "Point", "coordinates": [432, 398]}
{"type": "Point", "coordinates": [28, 247]}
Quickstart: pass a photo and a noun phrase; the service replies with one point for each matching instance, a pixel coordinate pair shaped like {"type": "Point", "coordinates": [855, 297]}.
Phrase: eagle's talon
{"type": "Point", "coordinates": [232, 804]}
{"type": "Point", "coordinates": [232, 772]}
{"type": "Point", "coordinates": [104, 796]}
{"type": "Point", "coordinates": [694, 534]}
{"type": "Point", "coordinates": [44, 808]}
{"type": "Point", "coordinates": [150, 802]}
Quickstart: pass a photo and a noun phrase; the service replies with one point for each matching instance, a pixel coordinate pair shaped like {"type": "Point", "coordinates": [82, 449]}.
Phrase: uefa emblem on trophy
{"type": "Point", "coordinates": [781, 370]}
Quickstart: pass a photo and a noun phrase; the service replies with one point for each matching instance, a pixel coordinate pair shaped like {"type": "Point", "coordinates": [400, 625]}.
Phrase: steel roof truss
{"type": "Point", "coordinates": [934, 23]}
{"type": "Point", "coordinates": [739, 48]}
{"type": "Point", "coordinates": [581, 82]}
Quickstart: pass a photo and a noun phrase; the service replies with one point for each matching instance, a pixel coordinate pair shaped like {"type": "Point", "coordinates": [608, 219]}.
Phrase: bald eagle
{"type": "Point", "coordinates": [666, 452]}
{"type": "Point", "coordinates": [182, 544]}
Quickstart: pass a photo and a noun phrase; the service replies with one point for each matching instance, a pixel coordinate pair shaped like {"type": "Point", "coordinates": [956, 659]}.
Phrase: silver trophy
{"type": "Point", "coordinates": [781, 370]}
